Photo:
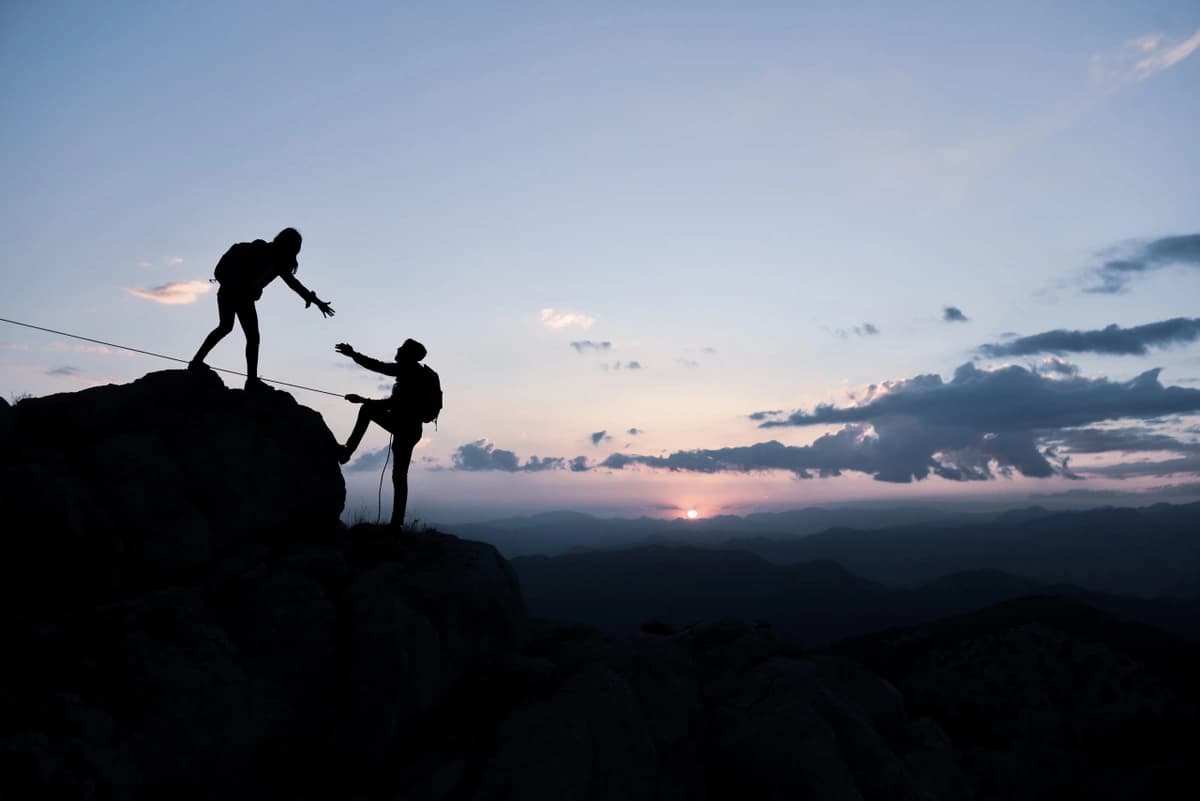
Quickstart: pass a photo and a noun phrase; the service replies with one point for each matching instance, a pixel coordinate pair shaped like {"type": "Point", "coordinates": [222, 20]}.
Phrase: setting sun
{"type": "Point", "coordinates": [692, 514]}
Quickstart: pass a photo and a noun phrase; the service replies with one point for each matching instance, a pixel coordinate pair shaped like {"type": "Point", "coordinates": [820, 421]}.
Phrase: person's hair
{"type": "Point", "coordinates": [290, 238]}
{"type": "Point", "coordinates": [413, 349]}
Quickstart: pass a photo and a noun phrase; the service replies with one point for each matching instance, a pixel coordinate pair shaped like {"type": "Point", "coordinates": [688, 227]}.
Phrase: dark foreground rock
{"type": "Point", "coordinates": [118, 488]}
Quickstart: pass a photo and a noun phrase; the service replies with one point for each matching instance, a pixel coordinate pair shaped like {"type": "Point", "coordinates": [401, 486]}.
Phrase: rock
{"type": "Point", "coordinates": [119, 488]}
{"type": "Point", "coordinates": [425, 611]}
{"type": "Point", "coordinates": [585, 741]}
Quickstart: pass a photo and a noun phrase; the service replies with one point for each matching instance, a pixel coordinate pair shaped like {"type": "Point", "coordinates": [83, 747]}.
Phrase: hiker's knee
{"type": "Point", "coordinates": [224, 328]}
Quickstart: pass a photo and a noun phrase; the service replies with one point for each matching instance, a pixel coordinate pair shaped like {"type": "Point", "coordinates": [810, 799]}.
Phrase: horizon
{"type": "Point", "coordinates": [727, 258]}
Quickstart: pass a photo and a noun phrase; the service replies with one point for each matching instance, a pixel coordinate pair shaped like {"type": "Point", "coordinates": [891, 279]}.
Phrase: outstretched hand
{"type": "Point", "coordinates": [356, 398]}
{"type": "Point", "coordinates": [344, 349]}
{"type": "Point", "coordinates": [325, 308]}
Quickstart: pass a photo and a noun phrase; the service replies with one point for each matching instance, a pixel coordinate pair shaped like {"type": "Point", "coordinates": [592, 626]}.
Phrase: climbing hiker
{"type": "Point", "coordinates": [243, 272]}
{"type": "Point", "coordinates": [416, 398]}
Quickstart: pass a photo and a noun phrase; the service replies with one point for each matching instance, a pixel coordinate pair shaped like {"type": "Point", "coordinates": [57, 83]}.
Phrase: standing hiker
{"type": "Point", "coordinates": [243, 272]}
{"type": "Point", "coordinates": [416, 398]}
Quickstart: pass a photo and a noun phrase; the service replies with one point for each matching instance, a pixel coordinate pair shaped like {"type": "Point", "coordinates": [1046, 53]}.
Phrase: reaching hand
{"type": "Point", "coordinates": [356, 398]}
{"type": "Point", "coordinates": [325, 308]}
{"type": "Point", "coordinates": [344, 349]}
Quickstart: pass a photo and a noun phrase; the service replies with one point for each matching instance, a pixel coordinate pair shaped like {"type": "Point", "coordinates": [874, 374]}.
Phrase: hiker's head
{"type": "Point", "coordinates": [288, 241]}
{"type": "Point", "coordinates": [410, 351]}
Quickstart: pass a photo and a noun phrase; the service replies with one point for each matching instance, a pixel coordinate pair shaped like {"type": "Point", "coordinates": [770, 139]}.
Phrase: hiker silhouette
{"type": "Point", "coordinates": [416, 398]}
{"type": "Point", "coordinates": [243, 272]}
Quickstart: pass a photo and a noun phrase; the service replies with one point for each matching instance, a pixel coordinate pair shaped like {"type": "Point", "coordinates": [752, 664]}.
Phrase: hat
{"type": "Point", "coordinates": [413, 349]}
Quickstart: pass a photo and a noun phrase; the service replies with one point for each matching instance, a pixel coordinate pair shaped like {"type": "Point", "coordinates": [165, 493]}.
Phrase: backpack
{"type": "Point", "coordinates": [427, 398]}
{"type": "Point", "coordinates": [234, 267]}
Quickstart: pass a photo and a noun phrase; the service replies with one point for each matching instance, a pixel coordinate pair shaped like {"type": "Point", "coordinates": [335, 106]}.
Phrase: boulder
{"type": "Point", "coordinates": [119, 488]}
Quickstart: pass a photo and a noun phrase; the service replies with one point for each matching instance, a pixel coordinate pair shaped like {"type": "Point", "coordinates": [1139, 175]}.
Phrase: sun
{"type": "Point", "coordinates": [692, 514]}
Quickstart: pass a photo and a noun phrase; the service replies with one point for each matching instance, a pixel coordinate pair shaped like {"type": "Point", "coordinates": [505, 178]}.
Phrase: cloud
{"type": "Point", "coordinates": [953, 314]}
{"type": "Point", "coordinates": [175, 261]}
{"type": "Point", "coordinates": [1169, 467]}
{"type": "Point", "coordinates": [578, 465]}
{"type": "Point", "coordinates": [1129, 439]}
{"type": "Point", "coordinates": [1112, 339]}
{"type": "Point", "coordinates": [482, 455]}
{"type": "Point", "coordinates": [633, 432]}
{"type": "Point", "coordinates": [599, 436]}
{"type": "Point", "coordinates": [172, 294]}
{"type": "Point", "coordinates": [1054, 366]}
{"type": "Point", "coordinates": [64, 371]}
{"type": "Point", "coordinates": [586, 344]}
{"type": "Point", "coordinates": [1008, 399]}
{"type": "Point", "coordinates": [563, 319]}
{"type": "Point", "coordinates": [1141, 57]}
{"type": "Point", "coordinates": [1123, 263]}
{"type": "Point", "coordinates": [633, 365]}
{"type": "Point", "coordinates": [973, 427]}
{"type": "Point", "coordinates": [864, 330]}
{"type": "Point", "coordinates": [369, 462]}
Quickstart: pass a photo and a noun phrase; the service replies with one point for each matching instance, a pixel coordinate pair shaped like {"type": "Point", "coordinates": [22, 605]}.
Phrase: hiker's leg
{"type": "Point", "coordinates": [369, 412]}
{"type": "Point", "coordinates": [402, 451]}
{"type": "Point", "coordinates": [225, 312]}
{"type": "Point", "coordinates": [248, 316]}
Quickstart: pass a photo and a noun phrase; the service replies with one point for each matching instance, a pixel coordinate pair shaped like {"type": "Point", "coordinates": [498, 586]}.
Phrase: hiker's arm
{"type": "Point", "coordinates": [307, 294]}
{"type": "Point", "coordinates": [387, 368]}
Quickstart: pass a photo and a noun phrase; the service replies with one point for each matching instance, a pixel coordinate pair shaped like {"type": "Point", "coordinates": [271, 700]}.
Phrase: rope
{"type": "Point", "coordinates": [379, 503]}
{"type": "Point", "coordinates": [163, 356]}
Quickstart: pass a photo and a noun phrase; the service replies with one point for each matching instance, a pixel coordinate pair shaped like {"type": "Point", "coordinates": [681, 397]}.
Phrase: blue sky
{"type": "Point", "coordinates": [764, 206]}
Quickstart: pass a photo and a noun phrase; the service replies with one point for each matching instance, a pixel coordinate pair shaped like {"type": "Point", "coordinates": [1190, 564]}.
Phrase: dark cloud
{"type": "Point", "coordinates": [953, 314]}
{"type": "Point", "coordinates": [979, 424]}
{"type": "Point", "coordinates": [1111, 339]}
{"type": "Point", "coordinates": [633, 365]}
{"type": "Point", "coordinates": [1009, 399]}
{"type": "Point", "coordinates": [482, 455]}
{"type": "Point", "coordinates": [578, 465]}
{"type": "Point", "coordinates": [65, 370]}
{"type": "Point", "coordinates": [1130, 439]}
{"type": "Point", "coordinates": [765, 414]}
{"type": "Point", "coordinates": [1168, 467]}
{"type": "Point", "coordinates": [1127, 262]}
{"type": "Point", "coordinates": [586, 344]}
{"type": "Point", "coordinates": [633, 432]}
{"type": "Point", "coordinates": [864, 330]}
{"type": "Point", "coordinates": [599, 436]}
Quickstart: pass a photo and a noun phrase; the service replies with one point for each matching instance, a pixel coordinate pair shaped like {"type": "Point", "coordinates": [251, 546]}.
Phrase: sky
{"type": "Point", "coordinates": [729, 257]}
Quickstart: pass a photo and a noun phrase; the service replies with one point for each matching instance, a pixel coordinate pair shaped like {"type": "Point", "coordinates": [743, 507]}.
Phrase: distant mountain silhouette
{"type": "Point", "coordinates": [554, 533]}
{"type": "Point", "coordinates": [1145, 552]}
{"type": "Point", "coordinates": [817, 601]}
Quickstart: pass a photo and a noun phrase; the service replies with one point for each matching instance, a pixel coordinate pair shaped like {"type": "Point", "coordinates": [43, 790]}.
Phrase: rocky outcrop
{"type": "Point", "coordinates": [131, 487]}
